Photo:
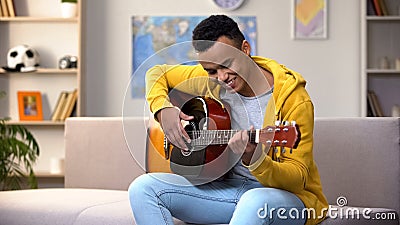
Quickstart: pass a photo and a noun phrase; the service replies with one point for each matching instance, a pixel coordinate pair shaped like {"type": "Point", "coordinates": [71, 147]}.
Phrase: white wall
{"type": "Point", "coordinates": [331, 67]}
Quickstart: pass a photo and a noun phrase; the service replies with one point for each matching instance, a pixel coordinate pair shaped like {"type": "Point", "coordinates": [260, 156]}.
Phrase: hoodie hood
{"type": "Point", "coordinates": [285, 80]}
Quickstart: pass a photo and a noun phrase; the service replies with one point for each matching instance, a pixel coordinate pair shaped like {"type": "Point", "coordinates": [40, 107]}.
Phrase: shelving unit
{"type": "Point", "coordinates": [380, 37]}
{"type": "Point", "coordinates": [43, 71]}
{"type": "Point", "coordinates": [38, 23]}
{"type": "Point", "coordinates": [38, 19]}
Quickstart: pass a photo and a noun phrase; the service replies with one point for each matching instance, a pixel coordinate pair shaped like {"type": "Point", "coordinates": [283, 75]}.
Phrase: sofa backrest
{"type": "Point", "coordinates": [357, 158]}
{"type": "Point", "coordinates": [97, 154]}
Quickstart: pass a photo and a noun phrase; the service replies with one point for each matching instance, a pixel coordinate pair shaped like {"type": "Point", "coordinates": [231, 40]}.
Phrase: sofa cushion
{"type": "Point", "coordinates": [66, 206]}
{"type": "Point", "coordinates": [63, 206]}
{"type": "Point", "coordinates": [73, 206]}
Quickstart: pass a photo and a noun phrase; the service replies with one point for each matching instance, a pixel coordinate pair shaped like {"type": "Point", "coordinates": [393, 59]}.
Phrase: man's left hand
{"type": "Point", "coordinates": [240, 145]}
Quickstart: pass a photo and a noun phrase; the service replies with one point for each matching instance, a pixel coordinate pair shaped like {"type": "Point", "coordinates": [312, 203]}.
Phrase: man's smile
{"type": "Point", "coordinates": [231, 82]}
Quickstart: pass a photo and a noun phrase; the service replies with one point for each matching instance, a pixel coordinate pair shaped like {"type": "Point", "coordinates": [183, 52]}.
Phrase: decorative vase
{"type": "Point", "coordinates": [68, 9]}
{"type": "Point", "coordinates": [384, 63]}
{"type": "Point", "coordinates": [396, 111]}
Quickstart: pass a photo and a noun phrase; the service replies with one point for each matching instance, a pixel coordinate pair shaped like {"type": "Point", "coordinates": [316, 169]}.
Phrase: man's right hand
{"type": "Point", "coordinates": [170, 120]}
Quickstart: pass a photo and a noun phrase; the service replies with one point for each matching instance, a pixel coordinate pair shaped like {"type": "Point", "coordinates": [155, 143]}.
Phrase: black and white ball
{"type": "Point", "coordinates": [22, 58]}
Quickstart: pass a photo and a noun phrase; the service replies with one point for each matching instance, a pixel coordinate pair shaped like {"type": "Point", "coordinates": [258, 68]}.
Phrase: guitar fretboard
{"type": "Point", "coordinates": [217, 137]}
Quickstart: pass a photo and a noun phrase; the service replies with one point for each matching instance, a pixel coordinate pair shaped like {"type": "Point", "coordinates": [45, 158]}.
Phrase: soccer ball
{"type": "Point", "coordinates": [22, 58]}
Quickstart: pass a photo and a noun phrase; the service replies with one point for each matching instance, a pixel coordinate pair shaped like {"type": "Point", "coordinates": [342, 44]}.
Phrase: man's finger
{"type": "Point", "coordinates": [185, 135]}
{"type": "Point", "coordinates": [185, 117]}
{"type": "Point", "coordinates": [178, 141]}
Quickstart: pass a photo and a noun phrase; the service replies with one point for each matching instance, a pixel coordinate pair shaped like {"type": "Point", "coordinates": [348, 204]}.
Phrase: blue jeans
{"type": "Point", "coordinates": [157, 197]}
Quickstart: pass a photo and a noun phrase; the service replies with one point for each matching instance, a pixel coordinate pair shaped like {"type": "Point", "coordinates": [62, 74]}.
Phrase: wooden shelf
{"type": "Point", "coordinates": [36, 123]}
{"type": "Point", "coordinates": [379, 39]}
{"type": "Point", "coordinates": [37, 19]}
{"type": "Point", "coordinates": [47, 174]}
{"type": "Point", "coordinates": [383, 18]}
{"type": "Point", "coordinates": [39, 24]}
{"type": "Point", "coordinates": [386, 71]}
{"type": "Point", "coordinates": [43, 71]}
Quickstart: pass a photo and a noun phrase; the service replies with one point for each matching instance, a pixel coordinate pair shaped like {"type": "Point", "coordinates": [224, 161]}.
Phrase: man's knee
{"type": "Point", "coordinates": [141, 186]}
{"type": "Point", "coordinates": [258, 196]}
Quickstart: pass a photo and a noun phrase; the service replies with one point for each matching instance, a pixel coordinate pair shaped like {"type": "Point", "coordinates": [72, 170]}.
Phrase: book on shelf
{"type": "Point", "coordinates": [4, 8]}
{"type": "Point", "coordinates": [7, 8]}
{"type": "Point", "coordinates": [375, 106]}
{"type": "Point", "coordinates": [11, 9]}
{"type": "Point", "coordinates": [370, 8]}
{"type": "Point", "coordinates": [377, 7]}
{"type": "Point", "coordinates": [59, 106]}
{"type": "Point", "coordinates": [369, 108]}
{"type": "Point", "coordinates": [69, 104]}
{"type": "Point", "coordinates": [384, 8]}
{"type": "Point", "coordinates": [65, 105]}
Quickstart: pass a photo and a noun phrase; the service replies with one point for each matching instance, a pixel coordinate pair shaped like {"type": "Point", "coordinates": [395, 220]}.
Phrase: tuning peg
{"type": "Point", "coordinates": [285, 123]}
{"type": "Point", "coordinates": [278, 123]}
{"type": "Point", "coordinates": [293, 123]}
{"type": "Point", "coordinates": [283, 143]}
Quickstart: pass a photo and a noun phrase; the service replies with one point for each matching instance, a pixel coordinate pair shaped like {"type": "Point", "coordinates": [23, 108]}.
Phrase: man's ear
{"type": "Point", "coordinates": [246, 48]}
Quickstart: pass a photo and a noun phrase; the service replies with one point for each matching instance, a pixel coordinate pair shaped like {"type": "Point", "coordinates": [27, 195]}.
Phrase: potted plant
{"type": "Point", "coordinates": [69, 8]}
{"type": "Point", "coordinates": [19, 150]}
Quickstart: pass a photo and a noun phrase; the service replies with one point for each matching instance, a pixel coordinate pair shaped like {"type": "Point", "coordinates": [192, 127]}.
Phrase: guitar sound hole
{"type": "Point", "coordinates": [186, 153]}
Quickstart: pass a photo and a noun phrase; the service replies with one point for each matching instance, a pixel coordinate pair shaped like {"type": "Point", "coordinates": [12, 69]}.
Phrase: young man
{"type": "Point", "coordinates": [265, 186]}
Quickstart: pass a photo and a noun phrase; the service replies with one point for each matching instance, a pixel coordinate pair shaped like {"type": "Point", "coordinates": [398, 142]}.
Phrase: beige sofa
{"type": "Point", "coordinates": [358, 158]}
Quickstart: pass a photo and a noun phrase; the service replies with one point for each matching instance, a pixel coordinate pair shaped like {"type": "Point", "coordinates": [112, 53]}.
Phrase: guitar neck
{"type": "Point", "coordinates": [284, 136]}
{"type": "Point", "coordinates": [219, 137]}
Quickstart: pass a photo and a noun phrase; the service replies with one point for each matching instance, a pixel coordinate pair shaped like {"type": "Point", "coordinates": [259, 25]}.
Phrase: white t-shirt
{"type": "Point", "coordinates": [244, 112]}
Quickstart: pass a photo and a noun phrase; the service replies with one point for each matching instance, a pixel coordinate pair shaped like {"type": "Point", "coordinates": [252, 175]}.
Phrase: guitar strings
{"type": "Point", "coordinates": [206, 137]}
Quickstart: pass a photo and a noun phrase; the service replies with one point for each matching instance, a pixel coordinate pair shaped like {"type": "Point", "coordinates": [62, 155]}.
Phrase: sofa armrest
{"type": "Point", "coordinates": [359, 158]}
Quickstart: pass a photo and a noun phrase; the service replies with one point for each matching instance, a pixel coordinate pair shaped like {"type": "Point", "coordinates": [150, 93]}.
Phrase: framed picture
{"type": "Point", "coordinates": [152, 34]}
{"type": "Point", "coordinates": [30, 105]}
{"type": "Point", "coordinates": [309, 19]}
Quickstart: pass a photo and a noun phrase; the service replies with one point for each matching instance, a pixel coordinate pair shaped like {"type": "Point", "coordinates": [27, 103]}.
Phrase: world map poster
{"type": "Point", "coordinates": [166, 40]}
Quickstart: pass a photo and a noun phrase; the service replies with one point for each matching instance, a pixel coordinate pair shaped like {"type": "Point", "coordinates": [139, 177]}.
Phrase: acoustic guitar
{"type": "Point", "coordinates": [210, 131]}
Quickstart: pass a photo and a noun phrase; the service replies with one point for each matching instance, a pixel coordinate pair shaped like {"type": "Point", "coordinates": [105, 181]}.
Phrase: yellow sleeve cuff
{"type": "Point", "coordinates": [256, 164]}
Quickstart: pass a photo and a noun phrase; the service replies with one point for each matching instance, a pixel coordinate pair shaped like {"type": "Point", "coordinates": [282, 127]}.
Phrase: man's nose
{"type": "Point", "coordinates": [222, 75]}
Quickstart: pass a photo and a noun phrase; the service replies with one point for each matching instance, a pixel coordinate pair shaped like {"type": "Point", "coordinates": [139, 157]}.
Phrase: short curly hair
{"type": "Point", "coordinates": [214, 27]}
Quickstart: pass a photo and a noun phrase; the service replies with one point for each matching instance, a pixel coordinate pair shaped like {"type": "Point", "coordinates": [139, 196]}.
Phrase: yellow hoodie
{"type": "Point", "coordinates": [296, 172]}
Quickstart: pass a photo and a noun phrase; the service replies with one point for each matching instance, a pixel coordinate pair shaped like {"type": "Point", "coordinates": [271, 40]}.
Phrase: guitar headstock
{"type": "Point", "coordinates": [283, 134]}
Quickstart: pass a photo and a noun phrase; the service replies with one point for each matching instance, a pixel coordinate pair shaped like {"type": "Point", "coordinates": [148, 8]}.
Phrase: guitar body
{"type": "Point", "coordinates": [210, 133]}
{"type": "Point", "coordinates": [204, 161]}
{"type": "Point", "coordinates": [155, 156]}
